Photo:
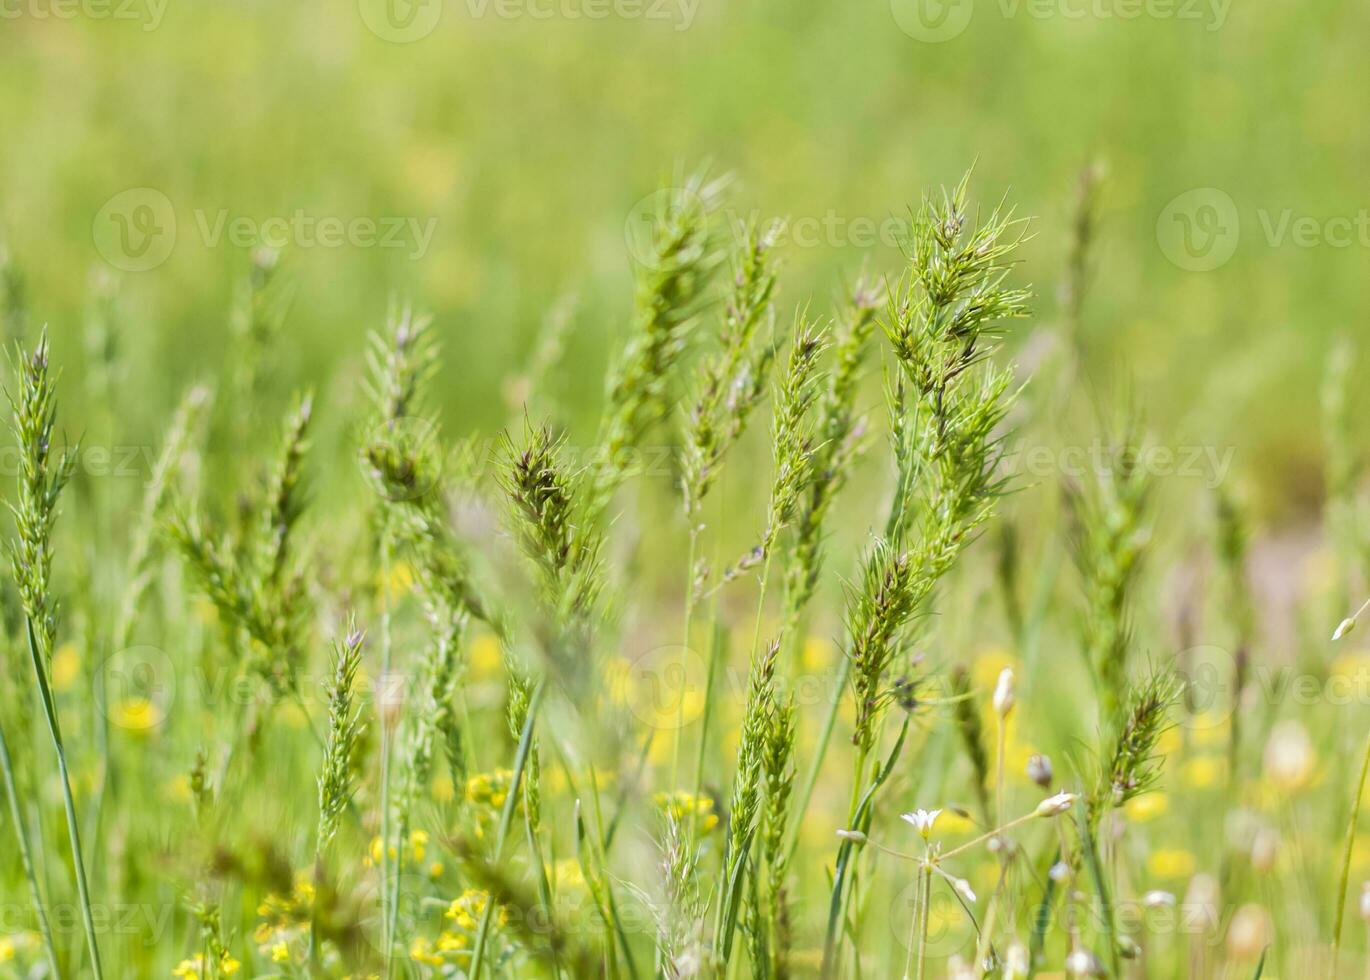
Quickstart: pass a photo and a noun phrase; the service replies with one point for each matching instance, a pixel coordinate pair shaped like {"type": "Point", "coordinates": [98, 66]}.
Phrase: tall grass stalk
{"type": "Point", "coordinates": [41, 479]}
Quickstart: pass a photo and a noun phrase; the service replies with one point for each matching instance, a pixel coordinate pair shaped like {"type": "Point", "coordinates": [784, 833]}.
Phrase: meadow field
{"type": "Point", "coordinates": [683, 488]}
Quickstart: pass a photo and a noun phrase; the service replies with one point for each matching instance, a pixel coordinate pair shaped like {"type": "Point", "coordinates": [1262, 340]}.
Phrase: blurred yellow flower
{"type": "Point", "coordinates": [280, 953]}
{"type": "Point", "coordinates": [6, 949]}
{"type": "Point", "coordinates": [952, 822]}
{"type": "Point", "coordinates": [66, 667]}
{"type": "Point", "coordinates": [443, 790]}
{"type": "Point", "coordinates": [817, 654]}
{"type": "Point", "coordinates": [1209, 728]}
{"type": "Point", "coordinates": [1146, 807]}
{"type": "Point", "coordinates": [400, 581]}
{"type": "Point", "coordinates": [1170, 862]}
{"type": "Point", "coordinates": [451, 942]}
{"type": "Point", "coordinates": [468, 909]}
{"type": "Point", "coordinates": [988, 665]}
{"type": "Point", "coordinates": [421, 951]}
{"type": "Point", "coordinates": [485, 656]}
{"type": "Point", "coordinates": [489, 789]}
{"type": "Point", "coordinates": [567, 874]}
{"type": "Point", "coordinates": [1204, 771]}
{"type": "Point", "coordinates": [680, 805]}
{"type": "Point", "coordinates": [138, 715]}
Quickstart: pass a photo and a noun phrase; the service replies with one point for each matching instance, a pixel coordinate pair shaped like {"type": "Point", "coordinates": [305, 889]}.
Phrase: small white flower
{"type": "Point", "coordinates": [1059, 872]}
{"type": "Point", "coordinates": [855, 836]}
{"type": "Point", "coordinates": [1054, 805]}
{"type": "Point", "coordinates": [1003, 693]}
{"type": "Point", "coordinates": [962, 888]}
{"type": "Point", "coordinates": [1039, 770]}
{"type": "Point", "coordinates": [1016, 962]}
{"type": "Point", "coordinates": [923, 820]}
{"type": "Point", "coordinates": [1158, 899]}
{"type": "Point", "coordinates": [1083, 963]}
{"type": "Point", "coordinates": [1346, 626]}
{"type": "Point", "coordinates": [1365, 901]}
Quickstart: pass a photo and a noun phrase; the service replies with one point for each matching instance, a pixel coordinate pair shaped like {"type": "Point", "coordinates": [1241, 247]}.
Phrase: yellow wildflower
{"type": "Point", "coordinates": [66, 666]}
{"type": "Point", "coordinates": [485, 656]}
{"type": "Point", "coordinates": [401, 580]}
{"type": "Point", "coordinates": [280, 953]}
{"type": "Point", "coordinates": [136, 714]}
{"type": "Point", "coordinates": [489, 789]}
{"type": "Point", "coordinates": [680, 805]}
{"type": "Point", "coordinates": [1146, 807]}
{"type": "Point", "coordinates": [1203, 771]}
{"type": "Point", "coordinates": [451, 942]}
{"type": "Point", "coordinates": [1170, 862]}
{"type": "Point", "coordinates": [468, 909]}
{"type": "Point", "coordinates": [421, 951]}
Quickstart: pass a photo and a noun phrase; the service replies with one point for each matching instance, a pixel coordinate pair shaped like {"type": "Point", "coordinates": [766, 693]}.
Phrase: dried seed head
{"type": "Point", "coordinates": [1039, 770]}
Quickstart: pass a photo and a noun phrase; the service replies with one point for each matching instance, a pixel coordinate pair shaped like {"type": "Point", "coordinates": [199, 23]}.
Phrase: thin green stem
{"type": "Point", "coordinates": [677, 736]}
{"type": "Point", "coordinates": [1346, 857]}
{"type": "Point", "coordinates": [924, 916]}
{"type": "Point", "coordinates": [386, 737]}
{"type": "Point", "coordinates": [507, 819]}
{"type": "Point", "coordinates": [815, 767]}
{"type": "Point", "coordinates": [25, 858]}
{"type": "Point", "coordinates": [73, 832]}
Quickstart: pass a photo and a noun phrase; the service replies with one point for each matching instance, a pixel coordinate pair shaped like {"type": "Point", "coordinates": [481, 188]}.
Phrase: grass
{"type": "Point", "coordinates": [345, 689]}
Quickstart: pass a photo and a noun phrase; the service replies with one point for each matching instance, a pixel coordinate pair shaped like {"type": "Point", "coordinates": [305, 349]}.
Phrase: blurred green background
{"type": "Point", "coordinates": [525, 132]}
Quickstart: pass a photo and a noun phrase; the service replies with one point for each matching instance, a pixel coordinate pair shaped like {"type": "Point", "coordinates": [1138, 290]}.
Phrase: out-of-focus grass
{"type": "Point", "coordinates": [529, 140]}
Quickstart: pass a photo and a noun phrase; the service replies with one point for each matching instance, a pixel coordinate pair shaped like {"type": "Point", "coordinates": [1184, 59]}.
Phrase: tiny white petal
{"type": "Point", "coordinates": [1346, 626]}
{"type": "Point", "coordinates": [1158, 899]}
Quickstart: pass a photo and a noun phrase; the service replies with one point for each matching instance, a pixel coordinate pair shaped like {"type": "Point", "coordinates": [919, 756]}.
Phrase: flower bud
{"type": "Point", "coordinates": [1003, 693]}
{"type": "Point", "coordinates": [1039, 770]}
{"type": "Point", "coordinates": [1055, 805]}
